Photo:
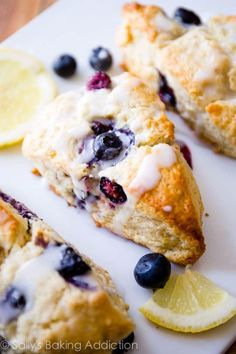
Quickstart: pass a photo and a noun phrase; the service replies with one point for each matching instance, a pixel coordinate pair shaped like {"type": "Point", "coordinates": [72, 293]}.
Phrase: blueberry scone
{"type": "Point", "coordinates": [109, 148]}
{"type": "Point", "coordinates": [49, 293]}
{"type": "Point", "coordinates": [193, 65]}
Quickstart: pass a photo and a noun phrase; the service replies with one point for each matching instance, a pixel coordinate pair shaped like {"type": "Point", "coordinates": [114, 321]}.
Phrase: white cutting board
{"type": "Point", "coordinates": [77, 26]}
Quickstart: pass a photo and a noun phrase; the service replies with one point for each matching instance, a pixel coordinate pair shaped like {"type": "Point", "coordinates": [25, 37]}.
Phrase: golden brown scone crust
{"type": "Point", "coordinates": [223, 116]}
{"type": "Point", "coordinates": [149, 27]}
{"type": "Point", "coordinates": [176, 233]}
{"type": "Point", "coordinates": [144, 20]}
{"type": "Point", "coordinates": [199, 64]}
{"type": "Point", "coordinates": [60, 311]}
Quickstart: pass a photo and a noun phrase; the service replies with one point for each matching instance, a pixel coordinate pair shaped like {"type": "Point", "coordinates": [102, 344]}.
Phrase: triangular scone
{"type": "Point", "coordinates": [67, 148]}
{"type": "Point", "coordinates": [49, 293]}
{"type": "Point", "coordinates": [198, 62]}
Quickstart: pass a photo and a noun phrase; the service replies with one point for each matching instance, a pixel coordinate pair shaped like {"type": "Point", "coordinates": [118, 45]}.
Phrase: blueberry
{"type": "Point", "coordinates": [186, 152]}
{"type": "Point", "coordinates": [152, 271]}
{"type": "Point", "coordinates": [76, 281]}
{"type": "Point", "coordinates": [71, 264]}
{"type": "Point", "coordinates": [21, 208]}
{"type": "Point", "coordinates": [65, 66]}
{"type": "Point", "coordinates": [113, 191]}
{"type": "Point", "coordinates": [99, 80]}
{"type": "Point", "coordinates": [100, 59]}
{"type": "Point", "coordinates": [124, 345]}
{"type": "Point", "coordinates": [80, 203]}
{"type": "Point", "coordinates": [12, 304]}
{"type": "Point", "coordinates": [187, 17]}
{"type": "Point", "coordinates": [100, 128]}
{"type": "Point", "coordinates": [107, 146]}
{"type": "Point", "coordinates": [15, 298]}
{"type": "Point", "coordinates": [166, 93]}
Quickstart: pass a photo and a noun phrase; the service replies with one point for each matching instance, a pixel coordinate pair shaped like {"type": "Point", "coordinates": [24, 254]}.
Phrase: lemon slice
{"type": "Point", "coordinates": [25, 87]}
{"type": "Point", "coordinates": [191, 303]}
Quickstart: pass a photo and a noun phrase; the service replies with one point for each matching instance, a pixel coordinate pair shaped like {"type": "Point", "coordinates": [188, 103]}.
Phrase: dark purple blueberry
{"type": "Point", "coordinates": [186, 152]}
{"type": "Point", "coordinates": [107, 146]}
{"type": "Point", "coordinates": [99, 80]}
{"type": "Point", "coordinates": [15, 298]}
{"type": "Point", "coordinates": [21, 208]}
{"type": "Point", "coordinates": [100, 128]}
{"type": "Point", "coordinates": [187, 17]}
{"type": "Point", "coordinates": [80, 203]}
{"type": "Point", "coordinates": [166, 93]}
{"type": "Point", "coordinates": [113, 191]}
{"type": "Point", "coordinates": [65, 66]}
{"type": "Point", "coordinates": [152, 271]}
{"type": "Point", "coordinates": [72, 264]}
{"type": "Point", "coordinates": [89, 198]}
{"type": "Point", "coordinates": [12, 304]}
{"type": "Point", "coordinates": [124, 345]}
{"type": "Point", "coordinates": [100, 59]}
{"type": "Point", "coordinates": [76, 281]}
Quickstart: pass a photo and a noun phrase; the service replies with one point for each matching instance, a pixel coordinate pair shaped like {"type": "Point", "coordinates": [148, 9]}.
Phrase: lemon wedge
{"type": "Point", "coordinates": [189, 302]}
{"type": "Point", "coordinates": [25, 87]}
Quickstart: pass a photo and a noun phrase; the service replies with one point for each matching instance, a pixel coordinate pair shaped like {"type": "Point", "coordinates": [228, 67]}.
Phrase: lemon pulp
{"type": "Point", "coordinates": [190, 303]}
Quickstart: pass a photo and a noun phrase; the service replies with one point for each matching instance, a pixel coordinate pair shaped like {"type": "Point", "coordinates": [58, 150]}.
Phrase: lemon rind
{"type": "Point", "coordinates": [207, 319]}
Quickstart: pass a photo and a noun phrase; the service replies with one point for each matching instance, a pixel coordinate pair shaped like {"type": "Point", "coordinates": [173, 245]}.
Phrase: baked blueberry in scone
{"type": "Point", "coordinates": [109, 148]}
{"type": "Point", "coordinates": [50, 293]}
{"type": "Point", "coordinates": [191, 64]}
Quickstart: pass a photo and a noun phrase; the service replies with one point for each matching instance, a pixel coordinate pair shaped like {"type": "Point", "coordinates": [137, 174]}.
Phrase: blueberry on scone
{"type": "Point", "coordinates": [187, 17]}
{"type": "Point", "coordinates": [99, 80]}
{"type": "Point", "coordinates": [196, 63]}
{"type": "Point", "coordinates": [49, 292]}
{"type": "Point", "coordinates": [166, 93]}
{"type": "Point", "coordinates": [110, 149]}
{"type": "Point", "coordinates": [186, 152]}
{"type": "Point", "coordinates": [100, 59]}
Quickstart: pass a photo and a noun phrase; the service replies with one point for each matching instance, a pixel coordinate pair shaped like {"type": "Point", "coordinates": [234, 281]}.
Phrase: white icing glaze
{"type": "Point", "coordinates": [87, 154]}
{"type": "Point", "coordinates": [136, 124]}
{"type": "Point", "coordinates": [34, 271]}
{"type": "Point", "coordinates": [149, 173]}
{"type": "Point", "coordinates": [88, 279]}
{"type": "Point", "coordinates": [80, 189]}
{"type": "Point", "coordinates": [203, 75]}
{"type": "Point", "coordinates": [122, 216]}
{"type": "Point", "coordinates": [76, 133]}
{"type": "Point", "coordinates": [93, 104]}
{"type": "Point", "coordinates": [147, 177]}
{"type": "Point", "coordinates": [167, 208]}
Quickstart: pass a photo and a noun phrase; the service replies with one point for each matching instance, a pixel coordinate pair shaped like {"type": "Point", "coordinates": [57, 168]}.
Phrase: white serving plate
{"type": "Point", "coordinates": [77, 27]}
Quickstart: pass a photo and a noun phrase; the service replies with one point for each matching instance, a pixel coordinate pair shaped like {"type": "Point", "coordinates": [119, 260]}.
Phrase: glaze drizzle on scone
{"type": "Point", "coordinates": [95, 146]}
